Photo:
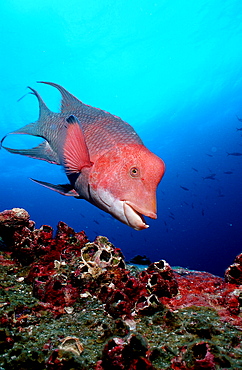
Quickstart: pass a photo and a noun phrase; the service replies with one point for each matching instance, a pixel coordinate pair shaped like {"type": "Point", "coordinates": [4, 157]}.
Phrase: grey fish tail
{"type": "Point", "coordinates": [35, 128]}
{"type": "Point", "coordinates": [43, 109]}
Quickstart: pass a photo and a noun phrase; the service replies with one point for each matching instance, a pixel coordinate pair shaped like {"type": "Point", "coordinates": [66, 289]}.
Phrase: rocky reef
{"type": "Point", "coordinates": [68, 303]}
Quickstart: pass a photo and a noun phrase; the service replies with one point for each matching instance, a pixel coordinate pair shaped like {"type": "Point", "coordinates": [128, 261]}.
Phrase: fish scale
{"type": "Point", "coordinates": [102, 129]}
{"type": "Point", "coordinates": [104, 133]}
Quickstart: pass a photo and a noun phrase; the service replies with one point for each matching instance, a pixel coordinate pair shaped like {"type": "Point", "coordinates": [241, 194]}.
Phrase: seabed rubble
{"type": "Point", "coordinates": [69, 303]}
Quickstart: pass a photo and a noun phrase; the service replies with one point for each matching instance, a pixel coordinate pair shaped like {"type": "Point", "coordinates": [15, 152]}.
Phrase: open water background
{"type": "Point", "coordinates": [173, 70]}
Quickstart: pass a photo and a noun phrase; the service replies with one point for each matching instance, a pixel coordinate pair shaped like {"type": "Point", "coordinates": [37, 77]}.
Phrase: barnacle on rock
{"type": "Point", "coordinates": [72, 344]}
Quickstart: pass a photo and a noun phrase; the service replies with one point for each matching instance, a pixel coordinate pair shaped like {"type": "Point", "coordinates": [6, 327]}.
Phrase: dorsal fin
{"type": "Point", "coordinates": [69, 102]}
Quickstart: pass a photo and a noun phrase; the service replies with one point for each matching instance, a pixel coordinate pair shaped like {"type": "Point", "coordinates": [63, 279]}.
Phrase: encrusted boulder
{"type": "Point", "coordinates": [160, 279]}
{"type": "Point", "coordinates": [120, 354]}
{"type": "Point", "coordinates": [233, 274]}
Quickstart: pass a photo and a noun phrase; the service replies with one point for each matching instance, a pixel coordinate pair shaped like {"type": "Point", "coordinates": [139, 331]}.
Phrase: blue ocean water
{"type": "Point", "coordinates": [172, 69]}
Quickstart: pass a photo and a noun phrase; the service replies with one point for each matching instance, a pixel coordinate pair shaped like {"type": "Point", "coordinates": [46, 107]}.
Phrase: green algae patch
{"type": "Point", "coordinates": [186, 335]}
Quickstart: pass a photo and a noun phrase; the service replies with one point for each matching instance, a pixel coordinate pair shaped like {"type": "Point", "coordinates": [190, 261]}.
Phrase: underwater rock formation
{"type": "Point", "coordinates": [233, 274]}
{"type": "Point", "coordinates": [68, 303]}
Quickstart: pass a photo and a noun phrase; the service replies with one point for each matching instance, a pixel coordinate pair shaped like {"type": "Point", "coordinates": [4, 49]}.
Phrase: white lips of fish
{"type": "Point", "coordinates": [123, 210]}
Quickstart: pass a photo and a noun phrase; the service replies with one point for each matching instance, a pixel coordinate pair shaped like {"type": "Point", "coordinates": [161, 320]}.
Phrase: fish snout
{"type": "Point", "coordinates": [149, 208]}
{"type": "Point", "coordinates": [150, 215]}
{"type": "Point", "coordinates": [145, 208]}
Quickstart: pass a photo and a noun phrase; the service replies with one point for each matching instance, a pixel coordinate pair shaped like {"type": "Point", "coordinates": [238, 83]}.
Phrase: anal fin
{"type": "Point", "coordinates": [65, 189]}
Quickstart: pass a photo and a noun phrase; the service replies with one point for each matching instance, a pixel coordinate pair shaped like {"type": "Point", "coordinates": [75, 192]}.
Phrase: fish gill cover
{"type": "Point", "coordinates": [170, 69]}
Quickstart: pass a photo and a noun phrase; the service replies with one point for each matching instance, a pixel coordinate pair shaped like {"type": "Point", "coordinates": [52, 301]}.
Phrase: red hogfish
{"type": "Point", "coordinates": [104, 159]}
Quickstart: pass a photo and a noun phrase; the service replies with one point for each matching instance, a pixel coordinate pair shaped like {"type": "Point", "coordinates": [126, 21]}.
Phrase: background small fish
{"type": "Point", "coordinates": [210, 177]}
{"type": "Point", "coordinates": [184, 188]}
{"type": "Point", "coordinates": [235, 154]}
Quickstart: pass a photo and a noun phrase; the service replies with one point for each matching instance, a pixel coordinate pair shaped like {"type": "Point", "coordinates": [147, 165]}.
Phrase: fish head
{"type": "Point", "coordinates": [123, 182]}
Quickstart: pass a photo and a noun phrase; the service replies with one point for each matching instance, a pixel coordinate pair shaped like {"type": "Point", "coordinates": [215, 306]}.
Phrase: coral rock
{"type": "Point", "coordinates": [119, 354]}
{"type": "Point", "coordinates": [233, 274]}
{"type": "Point", "coordinates": [14, 218]}
{"type": "Point", "coordinates": [62, 293]}
{"type": "Point", "coordinates": [160, 279]}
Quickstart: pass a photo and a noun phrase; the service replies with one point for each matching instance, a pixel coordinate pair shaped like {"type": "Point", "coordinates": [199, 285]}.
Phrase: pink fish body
{"type": "Point", "coordinates": [104, 159]}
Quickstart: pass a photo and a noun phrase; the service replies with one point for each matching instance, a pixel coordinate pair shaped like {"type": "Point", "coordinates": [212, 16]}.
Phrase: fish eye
{"type": "Point", "coordinates": [134, 172]}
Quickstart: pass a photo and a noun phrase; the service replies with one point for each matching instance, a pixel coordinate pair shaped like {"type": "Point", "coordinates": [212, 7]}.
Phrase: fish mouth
{"type": "Point", "coordinates": [125, 211]}
{"type": "Point", "coordinates": [134, 216]}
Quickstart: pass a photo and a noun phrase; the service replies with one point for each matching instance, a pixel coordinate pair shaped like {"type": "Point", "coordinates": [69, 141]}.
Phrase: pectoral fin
{"type": "Point", "coordinates": [65, 189]}
{"type": "Point", "coordinates": [75, 151]}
